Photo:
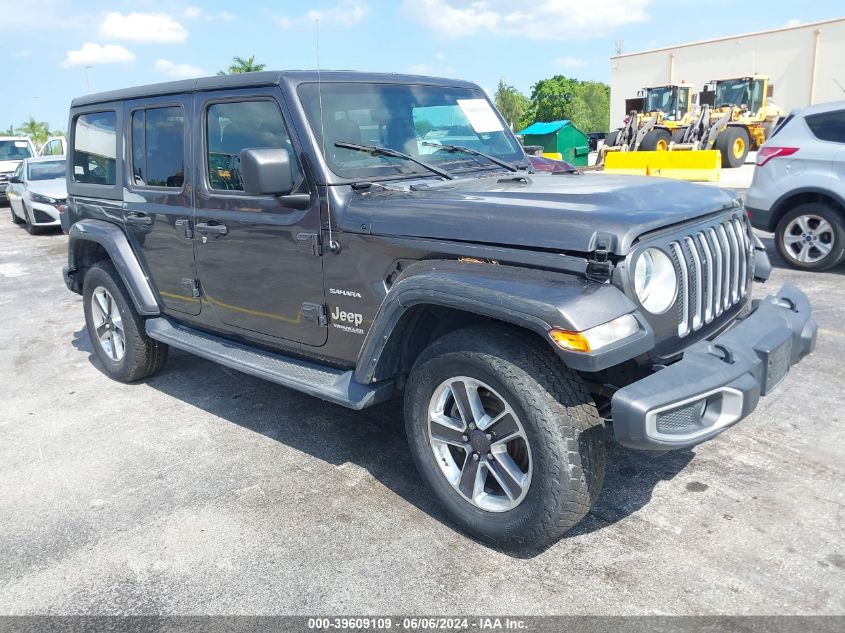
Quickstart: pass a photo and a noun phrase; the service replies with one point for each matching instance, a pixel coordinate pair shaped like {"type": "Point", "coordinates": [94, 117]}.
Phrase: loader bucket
{"type": "Point", "coordinates": [702, 165]}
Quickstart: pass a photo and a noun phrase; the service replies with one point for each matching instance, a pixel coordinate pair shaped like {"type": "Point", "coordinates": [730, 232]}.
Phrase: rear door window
{"type": "Point", "coordinates": [158, 147]}
{"type": "Point", "coordinates": [95, 148]}
{"type": "Point", "coordinates": [828, 126]}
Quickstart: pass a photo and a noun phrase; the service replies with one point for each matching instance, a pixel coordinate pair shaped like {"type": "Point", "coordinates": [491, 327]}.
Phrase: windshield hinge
{"type": "Point", "coordinates": [599, 266]}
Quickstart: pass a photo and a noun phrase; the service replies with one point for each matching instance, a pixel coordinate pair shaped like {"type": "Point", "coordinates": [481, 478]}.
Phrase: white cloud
{"type": "Point", "coordinates": [570, 62]}
{"type": "Point", "coordinates": [439, 55]}
{"type": "Point", "coordinates": [178, 71]}
{"type": "Point", "coordinates": [196, 13]}
{"type": "Point", "coordinates": [22, 53]}
{"type": "Point", "coordinates": [92, 53]}
{"type": "Point", "coordinates": [142, 27]}
{"type": "Point", "coordinates": [345, 13]}
{"type": "Point", "coordinates": [793, 22]}
{"type": "Point", "coordinates": [543, 20]}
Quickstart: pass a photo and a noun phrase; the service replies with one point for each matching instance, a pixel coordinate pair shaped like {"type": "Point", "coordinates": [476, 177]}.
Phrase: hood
{"type": "Point", "coordinates": [8, 165]}
{"type": "Point", "coordinates": [55, 188]}
{"type": "Point", "coordinates": [551, 211]}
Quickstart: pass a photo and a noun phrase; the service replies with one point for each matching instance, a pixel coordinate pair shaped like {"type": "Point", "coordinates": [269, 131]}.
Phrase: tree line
{"type": "Point", "coordinates": [37, 131]}
{"type": "Point", "coordinates": [585, 103]}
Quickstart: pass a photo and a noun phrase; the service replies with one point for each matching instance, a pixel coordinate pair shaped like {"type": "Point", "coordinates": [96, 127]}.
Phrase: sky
{"type": "Point", "coordinates": [54, 50]}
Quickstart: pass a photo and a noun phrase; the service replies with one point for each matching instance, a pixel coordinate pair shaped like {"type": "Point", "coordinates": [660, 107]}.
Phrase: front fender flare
{"type": "Point", "coordinates": [116, 244]}
{"type": "Point", "coordinates": [533, 299]}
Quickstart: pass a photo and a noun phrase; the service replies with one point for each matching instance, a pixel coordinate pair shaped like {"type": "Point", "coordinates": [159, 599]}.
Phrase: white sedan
{"type": "Point", "coordinates": [37, 193]}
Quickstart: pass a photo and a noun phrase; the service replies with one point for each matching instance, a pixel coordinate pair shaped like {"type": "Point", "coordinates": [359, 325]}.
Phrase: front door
{"type": "Point", "coordinates": [157, 204]}
{"type": "Point", "coordinates": [256, 257]}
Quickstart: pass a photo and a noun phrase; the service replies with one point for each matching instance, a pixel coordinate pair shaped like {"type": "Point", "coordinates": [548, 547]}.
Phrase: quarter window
{"type": "Point", "coordinates": [158, 147]}
{"type": "Point", "coordinates": [232, 127]}
{"type": "Point", "coordinates": [95, 148]}
{"type": "Point", "coordinates": [828, 126]}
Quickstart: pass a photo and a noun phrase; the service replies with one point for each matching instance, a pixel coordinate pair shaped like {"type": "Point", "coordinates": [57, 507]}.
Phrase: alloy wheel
{"type": "Point", "coordinates": [108, 324]}
{"type": "Point", "coordinates": [479, 444]}
{"type": "Point", "coordinates": [808, 238]}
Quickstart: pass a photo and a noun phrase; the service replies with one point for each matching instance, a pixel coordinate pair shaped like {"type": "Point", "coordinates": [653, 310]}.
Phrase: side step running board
{"type": "Point", "coordinates": [334, 385]}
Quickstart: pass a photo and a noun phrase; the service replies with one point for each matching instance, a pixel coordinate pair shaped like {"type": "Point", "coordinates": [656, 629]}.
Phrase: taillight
{"type": "Point", "coordinates": [765, 154]}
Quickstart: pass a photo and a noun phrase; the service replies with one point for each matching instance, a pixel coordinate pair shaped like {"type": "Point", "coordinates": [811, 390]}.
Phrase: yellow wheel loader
{"type": "Point", "coordinates": [652, 118]}
{"type": "Point", "coordinates": [736, 116]}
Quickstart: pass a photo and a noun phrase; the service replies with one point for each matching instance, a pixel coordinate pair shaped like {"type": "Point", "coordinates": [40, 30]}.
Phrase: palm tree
{"type": "Point", "coordinates": [9, 131]}
{"type": "Point", "coordinates": [38, 131]}
{"type": "Point", "coordinates": [241, 65]}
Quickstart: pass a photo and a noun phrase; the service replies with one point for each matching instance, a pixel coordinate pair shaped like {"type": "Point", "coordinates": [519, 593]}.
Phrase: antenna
{"type": "Point", "coordinates": [334, 247]}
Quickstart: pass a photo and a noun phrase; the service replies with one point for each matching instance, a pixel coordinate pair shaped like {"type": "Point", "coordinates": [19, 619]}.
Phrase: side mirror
{"type": "Point", "coordinates": [266, 171]}
{"type": "Point", "coordinates": [14, 179]}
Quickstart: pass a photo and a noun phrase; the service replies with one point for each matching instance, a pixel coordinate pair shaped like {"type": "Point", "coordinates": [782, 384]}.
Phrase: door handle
{"type": "Point", "coordinates": [139, 219]}
{"type": "Point", "coordinates": [214, 229]}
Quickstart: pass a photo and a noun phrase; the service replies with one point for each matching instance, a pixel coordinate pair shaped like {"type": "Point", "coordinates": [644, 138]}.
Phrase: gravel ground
{"type": "Point", "coordinates": [205, 491]}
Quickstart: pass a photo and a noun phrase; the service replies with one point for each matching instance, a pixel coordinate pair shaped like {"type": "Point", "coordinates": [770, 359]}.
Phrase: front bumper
{"type": "Point", "coordinates": [45, 214]}
{"type": "Point", "coordinates": [718, 382]}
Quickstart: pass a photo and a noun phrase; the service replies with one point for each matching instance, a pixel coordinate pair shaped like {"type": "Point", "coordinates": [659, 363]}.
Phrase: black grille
{"type": "Point", "coordinates": [680, 421]}
{"type": "Point", "coordinates": [42, 218]}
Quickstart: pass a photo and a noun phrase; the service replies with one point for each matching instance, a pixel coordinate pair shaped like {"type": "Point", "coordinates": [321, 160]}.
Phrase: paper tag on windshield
{"type": "Point", "coordinates": [481, 116]}
{"type": "Point", "coordinates": [20, 143]}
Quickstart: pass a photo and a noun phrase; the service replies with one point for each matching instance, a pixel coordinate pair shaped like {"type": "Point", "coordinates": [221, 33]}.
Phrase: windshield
{"type": "Point", "coordinates": [408, 119]}
{"type": "Point", "coordinates": [740, 92]}
{"type": "Point", "coordinates": [47, 170]}
{"type": "Point", "coordinates": [14, 150]}
{"type": "Point", "coordinates": [663, 99]}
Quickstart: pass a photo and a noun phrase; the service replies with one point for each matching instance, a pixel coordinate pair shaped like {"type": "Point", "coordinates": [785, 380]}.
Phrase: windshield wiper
{"type": "Point", "coordinates": [386, 151]}
{"type": "Point", "coordinates": [471, 152]}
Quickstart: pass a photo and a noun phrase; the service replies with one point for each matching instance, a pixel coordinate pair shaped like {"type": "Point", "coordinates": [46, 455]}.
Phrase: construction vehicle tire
{"type": "Point", "coordinates": [678, 135]}
{"type": "Point", "coordinates": [656, 141]}
{"type": "Point", "coordinates": [733, 144]}
{"type": "Point", "coordinates": [610, 139]}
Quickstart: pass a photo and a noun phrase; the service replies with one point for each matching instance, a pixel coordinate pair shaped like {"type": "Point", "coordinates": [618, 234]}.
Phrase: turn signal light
{"type": "Point", "coordinates": [575, 341]}
{"type": "Point", "coordinates": [765, 154]}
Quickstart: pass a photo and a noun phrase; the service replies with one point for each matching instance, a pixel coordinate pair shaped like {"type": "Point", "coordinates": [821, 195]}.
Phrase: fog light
{"type": "Point", "coordinates": [597, 337]}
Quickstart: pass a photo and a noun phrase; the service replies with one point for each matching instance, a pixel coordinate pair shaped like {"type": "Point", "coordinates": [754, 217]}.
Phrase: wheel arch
{"type": "Point", "coordinates": [804, 195]}
{"type": "Point", "coordinates": [90, 241]}
{"type": "Point", "coordinates": [432, 298]}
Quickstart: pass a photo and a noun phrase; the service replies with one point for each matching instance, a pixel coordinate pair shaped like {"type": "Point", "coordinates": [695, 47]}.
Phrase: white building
{"type": "Point", "coordinates": [806, 64]}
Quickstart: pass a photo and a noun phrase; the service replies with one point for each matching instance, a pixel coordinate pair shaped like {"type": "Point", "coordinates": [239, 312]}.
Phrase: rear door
{"type": "Point", "coordinates": [158, 198]}
{"type": "Point", "coordinates": [258, 257]}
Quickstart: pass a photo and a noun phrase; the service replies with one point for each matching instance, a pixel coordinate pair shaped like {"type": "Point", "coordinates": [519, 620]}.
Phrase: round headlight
{"type": "Point", "coordinates": [655, 281]}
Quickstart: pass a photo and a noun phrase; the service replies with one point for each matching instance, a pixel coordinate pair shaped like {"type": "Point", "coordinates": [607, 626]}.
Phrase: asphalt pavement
{"type": "Point", "coordinates": [206, 491]}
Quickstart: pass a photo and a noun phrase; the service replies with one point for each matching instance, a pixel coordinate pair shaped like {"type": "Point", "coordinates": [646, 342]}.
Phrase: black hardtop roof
{"type": "Point", "coordinates": [264, 78]}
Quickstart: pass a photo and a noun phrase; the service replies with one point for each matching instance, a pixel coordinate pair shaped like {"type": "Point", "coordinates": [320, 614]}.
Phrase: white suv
{"type": "Point", "coordinates": [13, 149]}
{"type": "Point", "coordinates": [798, 190]}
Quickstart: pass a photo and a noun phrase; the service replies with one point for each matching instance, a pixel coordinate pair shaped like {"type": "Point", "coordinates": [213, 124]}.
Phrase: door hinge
{"type": "Point", "coordinates": [186, 224]}
{"type": "Point", "coordinates": [192, 287]}
{"type": "Point", "coordinates": [309, 243]}
{"type": "Point", "coordinates": [316, 313]}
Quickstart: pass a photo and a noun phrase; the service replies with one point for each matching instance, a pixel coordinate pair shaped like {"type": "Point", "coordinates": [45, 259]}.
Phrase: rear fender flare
{"type": "Point", "coordinates": [532, 299]}
{"type": "Point", "coordinates": [115, 243]}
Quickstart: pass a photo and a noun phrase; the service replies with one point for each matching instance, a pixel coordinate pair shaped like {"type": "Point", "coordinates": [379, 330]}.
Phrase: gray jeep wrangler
{"type": "Point", "coordinates": [355, 236]}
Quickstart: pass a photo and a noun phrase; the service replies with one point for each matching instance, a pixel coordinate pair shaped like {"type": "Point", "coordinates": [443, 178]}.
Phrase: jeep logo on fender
{"type": "Point", "coordinates": [349, 317]}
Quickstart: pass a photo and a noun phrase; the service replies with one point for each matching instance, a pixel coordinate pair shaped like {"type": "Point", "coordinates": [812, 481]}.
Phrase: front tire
{"type": "Point", "coordinates": [116, 330]}
{"type": "Point", "coordinates": [811, 236]}
{"type": "Point", "coordinates": [656, 140]}
{"type": "Point", "coordinates": [15, 218]}
{"type": "Point", "coordinates": [30, 227]}
{"type": "Point", "coordinates": [733, 144]}
{"type": "Point", "coordinates": [508, 439]}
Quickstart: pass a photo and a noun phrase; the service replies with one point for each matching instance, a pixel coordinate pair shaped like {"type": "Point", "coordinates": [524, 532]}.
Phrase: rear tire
{"type": "Point", "coordinates": [811, 237]}
{"type": "Point", "coordinates": [732, 143]}
{"type": "Point", "coordinates": [656, 140]}
{"type": "Point", "coordinates": [610, 139]}
{"type": "Point", "coordinates": [129, 354]}
{"type": "Point", "coordinates": [560, 454]}
{"type": "Point", "coordinates": [678, 135]}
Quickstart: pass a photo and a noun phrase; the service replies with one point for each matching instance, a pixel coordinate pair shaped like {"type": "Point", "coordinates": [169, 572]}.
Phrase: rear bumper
{"type": "Point", "coordinates": [718, 382]}
{"type": "Point", "coordinates": [760, 218]}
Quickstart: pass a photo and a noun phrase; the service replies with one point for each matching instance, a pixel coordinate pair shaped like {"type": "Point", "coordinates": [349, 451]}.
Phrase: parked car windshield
{"type": "Point", "coordinates": [47, 170]}
{"type": "Point", "coordinates": [14, 150]}
{"type": "Point", "coordinates": [408, 119]}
